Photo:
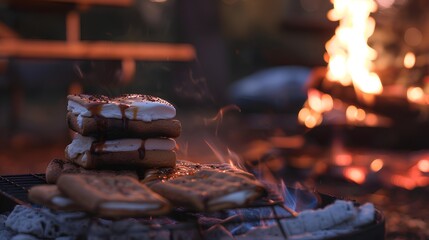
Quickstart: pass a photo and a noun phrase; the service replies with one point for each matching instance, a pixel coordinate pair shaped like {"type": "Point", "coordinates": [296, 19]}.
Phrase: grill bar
{"type": "Point", "coordinates": [14, 190]}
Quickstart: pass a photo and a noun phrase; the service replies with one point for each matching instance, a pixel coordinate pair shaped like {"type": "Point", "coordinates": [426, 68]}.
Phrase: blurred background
{"type": "Point", "coordinates": [325, 95]}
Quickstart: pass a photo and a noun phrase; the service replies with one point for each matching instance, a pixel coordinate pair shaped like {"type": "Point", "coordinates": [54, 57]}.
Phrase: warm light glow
{"type": "Point", "coordinates": [404, 182]}
{"type": "Point", "coordinates": [303, 114]}
{"type": "Point", "coordinates": [371, 119]}
{"type": "Point", "coordinates": [415, 94]}
{"type": "Point", "coordinates": [409, 60]}
{"type": "Point", "coordinates": [343, 159]}
{"type": "Point", "coordinates": [355, 114]}
{"type": "Point", "coordinates": [310, 121]}
{"type": "Point", "coordinates": [360, 114]}
{"type": "Point", "coordinates": [385, 3]}
{"type": "Point", "coordinates": [413, 36]}
{"type": "Point", "coordinates": [350, 57]}
{"type": "Point", "coordinates": [351, 113]}
{"type": "Point", "coordinates": [423, 165]}
{"type": "Point", "coordinates": [314, 100]}
{"type": "Point", "coordinates": [355, 174]}
{"type": "Point", "coordinates": [377, 165]}
{"type": "Point", "coordinates": [327, 102]}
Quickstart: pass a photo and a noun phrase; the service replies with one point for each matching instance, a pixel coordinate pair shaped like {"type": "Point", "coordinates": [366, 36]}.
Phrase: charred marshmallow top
{"type": "Point", "coordinates": [82, 144]}
{"type": "Point", "coordinates": [131, 106]}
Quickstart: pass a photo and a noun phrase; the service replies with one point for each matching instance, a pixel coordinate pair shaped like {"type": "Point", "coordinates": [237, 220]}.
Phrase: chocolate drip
{"type": "Point", "coordinates": [135, 110]}
{"type": "Point", "coordinates": [97, 147]}
{"type": "Point", "coordinates": [142, 149]}
{"type": "Point", "coordinates": [101, 122]}
{"type": "Point", "coordinates": [95, 108]}
{"type": "Point", "coordinates": [124, 107]}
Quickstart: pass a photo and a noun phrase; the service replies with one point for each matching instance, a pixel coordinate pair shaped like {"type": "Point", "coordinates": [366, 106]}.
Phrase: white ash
{"type": "Point", "coordinates": [5, 233]}
{"type": "Point", "coordinates": [126, 229]}
{"type": "Point", "coordinates": [43, 223]}
{"type": "Point", "coordinates": [271, 232]}
{"type": "Point", "coordinates": [337, 219]}
{"type": "Point", "coordinates": [22, 236]}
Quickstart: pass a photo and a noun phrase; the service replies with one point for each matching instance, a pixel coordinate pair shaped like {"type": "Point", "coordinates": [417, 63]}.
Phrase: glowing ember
{"type": "Point", "coordinates": [315, 101]}
{"type": "Point", "coordinates": [327, 102]}
{"type": "Point", "coordinates": [415, 94]}
{"type": "Point", "coordinates": [355, 174]}
{"type": "Point", "coordinates": [309, 118]}
{"type": "Point", "coordinates": [343, 159]}
{"type": "Point", "coordinates": [350, 57]}
{"type": "Point", "coordinates": [423, 165]}
{"type": "Point", "coordinates": [377, 165]}
{"type": "Point", "coordinates": [310, 121]}
{"type": "Point", "coordinates": [351, 113]}
{"type": "Point", "coordinates": [409, 60]}
{"type": "Point", "coordinates": [404, 182]}
{"type": "Point", "coordinates": [371, 119]}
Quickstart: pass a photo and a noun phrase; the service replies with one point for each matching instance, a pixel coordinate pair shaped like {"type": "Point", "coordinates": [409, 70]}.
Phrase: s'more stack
{"type": "Point", "coordinates": [131, 130]}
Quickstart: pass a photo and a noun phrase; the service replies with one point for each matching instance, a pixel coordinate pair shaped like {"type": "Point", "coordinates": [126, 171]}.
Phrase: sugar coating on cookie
{"type": "Point", "coordinates": [130, 106]}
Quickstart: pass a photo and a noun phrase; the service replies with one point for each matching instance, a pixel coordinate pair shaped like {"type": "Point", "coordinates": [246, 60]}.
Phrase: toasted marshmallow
{"type": "Point", "coordinates": [132, 106]}
{"type": "Point", "coordinates": [82, 144]}
{"type": "Point", "coordinates": [62, 201]}
{"type": "Point", "coordinates": [238, 198]}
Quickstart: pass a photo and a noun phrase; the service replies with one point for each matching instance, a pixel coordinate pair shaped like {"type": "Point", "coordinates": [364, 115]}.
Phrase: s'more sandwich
{"type": "Point", "coordinates": [129, 115]}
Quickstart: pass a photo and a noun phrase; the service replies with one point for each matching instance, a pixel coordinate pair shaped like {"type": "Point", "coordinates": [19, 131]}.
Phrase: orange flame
{"type": "Point", "coordinates": [350, 57]}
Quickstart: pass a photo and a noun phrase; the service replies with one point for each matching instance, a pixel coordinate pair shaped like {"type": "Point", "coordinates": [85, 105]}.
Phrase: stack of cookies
{"type": "Point", "coordinates": [115, 138]}
{"type": "Point", "coordinates": [131, 130]}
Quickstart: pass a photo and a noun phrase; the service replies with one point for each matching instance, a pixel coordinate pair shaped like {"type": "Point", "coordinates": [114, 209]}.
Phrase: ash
{"type": "Point", "coordinates": [339, 218]}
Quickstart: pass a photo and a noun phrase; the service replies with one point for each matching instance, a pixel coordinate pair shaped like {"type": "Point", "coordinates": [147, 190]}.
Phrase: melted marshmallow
{"type": "Point", "coordinates": [237, 198]}
{"type": "Point", "coordinates": [82, 144]}
{"type": "Point", "coordinates": [61, 201]}
{"type": "Point", "coordinates": [138, 109]}
{"type": "Point", "coordinates": [129, 206]}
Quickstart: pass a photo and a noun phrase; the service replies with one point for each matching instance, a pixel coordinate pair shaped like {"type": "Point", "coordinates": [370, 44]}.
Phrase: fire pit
{"type": "Point", "coordinates": [265, 216]}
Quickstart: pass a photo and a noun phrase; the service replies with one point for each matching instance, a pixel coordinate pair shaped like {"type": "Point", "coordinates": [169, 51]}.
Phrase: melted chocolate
{"type": "Point", "coordinates": [142, 149]}
{"type": "Point", "coordinates": [124, 107]}
{"type": "Point", "coordinates": [97, 147]}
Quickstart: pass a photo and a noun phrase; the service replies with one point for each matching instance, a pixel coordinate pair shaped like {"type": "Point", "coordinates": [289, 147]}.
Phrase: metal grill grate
{"type": "Point", "coordinates": [14, 190]}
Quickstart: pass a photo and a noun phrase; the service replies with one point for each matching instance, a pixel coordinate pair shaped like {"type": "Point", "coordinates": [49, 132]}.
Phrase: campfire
{"type": "Point", "coordinates": [323, 172]}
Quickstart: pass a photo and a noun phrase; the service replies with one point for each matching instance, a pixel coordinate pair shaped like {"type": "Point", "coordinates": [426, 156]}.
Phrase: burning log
{"type": "Point", "coordinates": [386, 104]}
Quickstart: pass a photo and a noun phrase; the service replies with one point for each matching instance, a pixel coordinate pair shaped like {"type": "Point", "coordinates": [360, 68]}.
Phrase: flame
{"type": "Point", "coordinates": [409, 60]}
{"type": "Point", "coordinates": [355, 174]}
{"type": "Point", "coordinates": [230, 157]}
{"type": "Point", "coordinates": [377, 165]}
{"type": "Point", "coordinates": [350, 57]}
